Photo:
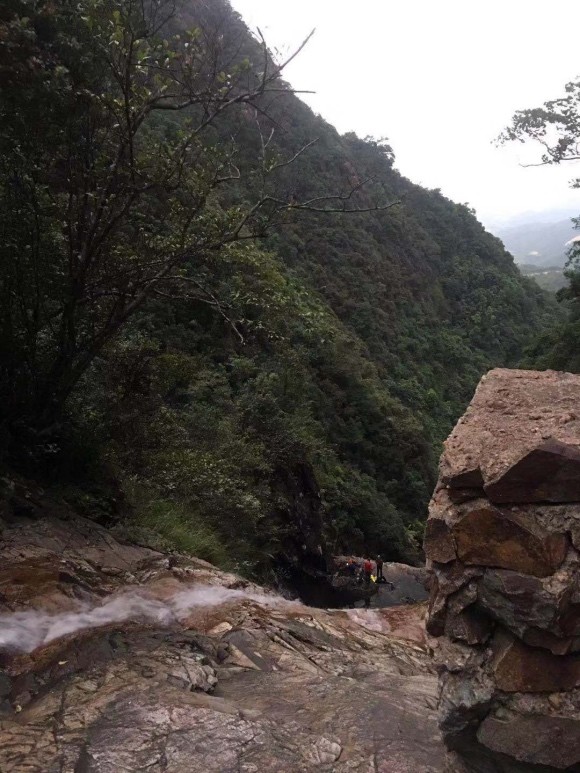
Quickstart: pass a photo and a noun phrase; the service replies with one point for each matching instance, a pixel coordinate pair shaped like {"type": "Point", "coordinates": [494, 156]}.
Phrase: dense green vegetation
{"type": "Point", "coordinates": [557, 347]}
{"type": "Point", "coordinates": [256, 328]}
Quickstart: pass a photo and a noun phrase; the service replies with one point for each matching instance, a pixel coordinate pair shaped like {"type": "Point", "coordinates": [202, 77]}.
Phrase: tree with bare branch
{"type": "Point", "coordinates": [114, 178]}
{"type": "Point", "coordinates": [555, 126]}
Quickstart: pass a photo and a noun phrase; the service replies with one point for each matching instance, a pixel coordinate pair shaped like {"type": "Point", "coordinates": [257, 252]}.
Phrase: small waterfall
{"type": "Point", "coordinates": [25, 631]}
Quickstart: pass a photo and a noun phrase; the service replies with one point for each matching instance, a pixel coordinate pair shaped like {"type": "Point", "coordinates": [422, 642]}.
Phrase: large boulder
{"type": "Point", "coordinates": [502, 546]}
{"type": "Point", "coordinates": [479, 533]}
{"type": "Point", "coordinates": [519, 438]}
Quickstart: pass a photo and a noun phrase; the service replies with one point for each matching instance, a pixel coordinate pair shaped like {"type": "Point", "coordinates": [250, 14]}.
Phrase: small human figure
{"type": "Point", "coordinates": [367, 570]}
{"type": "Point", "coordinates": [380, 576]}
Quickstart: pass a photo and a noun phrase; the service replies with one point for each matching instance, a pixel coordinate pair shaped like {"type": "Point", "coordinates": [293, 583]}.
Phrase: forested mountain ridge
{"type": "Point", "coordinates": [293, 403]}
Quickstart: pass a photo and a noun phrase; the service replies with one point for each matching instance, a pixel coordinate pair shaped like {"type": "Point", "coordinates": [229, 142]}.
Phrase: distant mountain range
{"type": "Point", "coordinates": [537, 242]}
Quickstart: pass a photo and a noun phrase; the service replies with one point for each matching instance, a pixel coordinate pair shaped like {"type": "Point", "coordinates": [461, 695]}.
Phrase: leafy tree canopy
{"type": "Point", "coordinates": [256, 327]}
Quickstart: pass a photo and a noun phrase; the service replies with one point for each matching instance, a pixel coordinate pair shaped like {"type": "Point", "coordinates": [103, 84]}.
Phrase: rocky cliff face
{"type": "Point", "coordinates": [116, 658]}
{"type": "Point", "coordinates": [503, 543]}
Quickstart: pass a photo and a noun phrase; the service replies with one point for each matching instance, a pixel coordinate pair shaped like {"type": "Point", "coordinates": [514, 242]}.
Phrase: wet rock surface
{"type": "Point", "coordinates": [246, 682]}
{"type": "Point", "coordinates": [502, 548]}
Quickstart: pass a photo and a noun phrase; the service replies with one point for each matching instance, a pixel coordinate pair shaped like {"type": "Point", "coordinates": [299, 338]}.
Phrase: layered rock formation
{"type": "Point", "coordinates": [503, 543]}
{"type": "Point", "coordinates": [138, 661]}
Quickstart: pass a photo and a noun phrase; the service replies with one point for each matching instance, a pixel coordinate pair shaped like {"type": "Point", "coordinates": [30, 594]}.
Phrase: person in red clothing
{"type": "Point", "coordinates": [367, 570]}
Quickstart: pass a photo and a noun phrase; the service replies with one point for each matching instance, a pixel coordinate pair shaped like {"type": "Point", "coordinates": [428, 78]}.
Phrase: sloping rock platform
{"type": "Point", "coordinates": [502, 543]}
{"type": "Point", "coordinates": [115, 658]}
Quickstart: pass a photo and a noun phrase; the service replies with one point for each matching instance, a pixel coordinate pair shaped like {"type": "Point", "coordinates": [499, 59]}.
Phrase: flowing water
{"type": "Point", "coordinates": [24, 631]}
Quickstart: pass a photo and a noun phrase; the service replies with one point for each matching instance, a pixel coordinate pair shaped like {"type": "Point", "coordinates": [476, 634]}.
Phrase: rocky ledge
{"type": "Point", "coordinates": [503, 543]}
{"type": "Point", "coordinates": [116, 658]}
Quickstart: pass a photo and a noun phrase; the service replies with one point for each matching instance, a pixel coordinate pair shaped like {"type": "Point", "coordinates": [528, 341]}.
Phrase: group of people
{"type": "Point", "coordinates": [367, 571]}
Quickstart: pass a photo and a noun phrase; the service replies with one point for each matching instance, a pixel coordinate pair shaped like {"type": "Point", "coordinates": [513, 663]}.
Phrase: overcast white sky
{"type": "Point", "coordinates": [440, 79]}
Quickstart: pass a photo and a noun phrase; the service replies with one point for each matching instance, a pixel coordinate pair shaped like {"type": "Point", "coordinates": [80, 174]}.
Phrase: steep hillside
{"type": "Point", "coordinates": [434, 297]}
{"type": "Point", "coordinates": [292, 402]}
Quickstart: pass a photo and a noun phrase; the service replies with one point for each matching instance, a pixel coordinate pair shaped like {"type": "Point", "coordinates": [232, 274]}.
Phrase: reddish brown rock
{"type": "Point", "coordinates": [559, 645]}
{"type": "Point", "coordinates": [520, 668]}
{"type": "Point", "coordinates": [511, 414]}
{"type": "Point", "coordinates": [21, 582]}
{"type": "Point", "coordinates": [550, 472]}
{"type": "Point", "coordinates": [487, 536]}
{"type": "Point", "coordinates": [469, 479]}
{"type": "Point", "coordinates": [526, 604]}
{"type": "Point", "coordinates": [539, 517]}
{"type": "Point", "coordinates": [439, 543]}
{"type": "Point", "coordinates": [460, 495]}
{"type": "Point", "coordinates": [536, 740]}
{"type": "Point", "coordinates": [508, 501]}
{"type": "Point", "coordinates": [528, 538]}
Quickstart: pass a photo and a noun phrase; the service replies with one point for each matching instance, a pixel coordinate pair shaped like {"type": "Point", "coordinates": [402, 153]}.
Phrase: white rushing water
{"type": "Point", "coordinates": [26, 630]}
{"type": "Point", "coordinates": [367, 618]}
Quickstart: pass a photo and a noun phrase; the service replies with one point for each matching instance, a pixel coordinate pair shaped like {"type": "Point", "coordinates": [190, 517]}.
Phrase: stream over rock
{"type": "Point", "coordinates": [114, 658]}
